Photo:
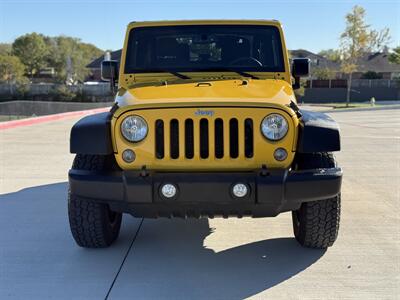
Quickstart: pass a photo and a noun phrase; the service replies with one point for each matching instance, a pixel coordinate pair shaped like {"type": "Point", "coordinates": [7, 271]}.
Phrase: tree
{"type": "Point", "coordinates": [371, 75]}
{"type": "Point", "coordinates": [11, 69]}
{"type": "Point", "coordinates": [394, 57]}
{"type": "Point", "coordinates": [354, 43]}
{"type": "Point", "coordinates": [379, 39]}
{"type": "Point", "coordinates": [69, 56]}
{"type": "Point", "coordinates": [356, 40]}
{"type": "Point", "coordinates": [331, 54]}
{"type": "Point", "coordinates": [5, 49]}
{"type": "Point", "coordinates": [322, 73]}
{"type": "Point", "coordinates": [31, 50]}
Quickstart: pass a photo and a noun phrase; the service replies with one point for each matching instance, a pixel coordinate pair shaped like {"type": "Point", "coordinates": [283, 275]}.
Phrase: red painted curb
{"type": "Point", "coordinates": [49, 118]}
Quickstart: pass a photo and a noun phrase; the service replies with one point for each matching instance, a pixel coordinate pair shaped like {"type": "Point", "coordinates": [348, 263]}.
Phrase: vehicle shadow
{"type": "Point", "coordinates": [169, 260]}
{"type": "Point", "coordinates": [38, 256]}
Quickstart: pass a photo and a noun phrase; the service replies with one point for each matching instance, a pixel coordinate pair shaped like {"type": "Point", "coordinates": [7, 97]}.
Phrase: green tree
{"type": "Point", "coordinates": [5, 49]}
{"type": "Point", "coordinates": [394, 57]}
{"type": "Point", "coordinates": [371, 75]}
{"type": "Point", "coordinates": [331, 54]}
{"type": "Point", "coordinates": [11, 69]}
{"type": "Point", "coordinates": [322, 73]}
{"type": "Point", "coordinates": [356, 40]}
{"type": "Point", "coordinates": [31, 50]}
{"type": "Point", "coordinates": [69, 56]}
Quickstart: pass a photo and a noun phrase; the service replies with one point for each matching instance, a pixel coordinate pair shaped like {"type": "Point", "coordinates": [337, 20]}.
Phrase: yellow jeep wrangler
{"type": "Point", "coordinates": [205, 123]}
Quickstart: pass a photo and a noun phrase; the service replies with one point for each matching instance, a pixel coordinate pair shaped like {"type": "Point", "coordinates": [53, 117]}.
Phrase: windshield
{"type": "Point", "coordinates": [194, 48]}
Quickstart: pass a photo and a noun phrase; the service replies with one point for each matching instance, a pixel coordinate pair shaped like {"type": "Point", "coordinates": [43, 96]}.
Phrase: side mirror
{"type": "Point", "coordinates": [300, 68]}
{"type": "Point", "coordinates": [109, 70]}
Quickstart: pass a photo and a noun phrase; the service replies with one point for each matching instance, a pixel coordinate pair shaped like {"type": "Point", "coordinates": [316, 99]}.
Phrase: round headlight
{"type": "Point", "coordinates": [274, 127]}
{"type": "Point", "coordinates": [134, 128]}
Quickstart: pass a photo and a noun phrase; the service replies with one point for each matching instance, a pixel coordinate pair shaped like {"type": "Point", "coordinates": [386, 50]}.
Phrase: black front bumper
{"type": "Point", "coordinates": [206, 194]}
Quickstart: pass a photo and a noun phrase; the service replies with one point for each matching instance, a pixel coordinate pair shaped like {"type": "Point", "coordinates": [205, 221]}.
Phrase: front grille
{"type": "Point", "coordinates": [217, 138]}
{"type": "Point", "coordinates": [249, 138]}
{"type": "Point", "coordinates": [234, 138]}
{"type": "Point", "coordinates": [174, 138]}
{"type": "Point", "coordinates": [189, 139]}
{"type": "Point", "coordinates": [204, 137]}
{"type": "Point", "coordinates": [159, 139]}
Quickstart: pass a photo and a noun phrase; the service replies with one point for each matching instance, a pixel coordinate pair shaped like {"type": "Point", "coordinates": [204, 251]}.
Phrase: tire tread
{"type": "Point", "coordinates": [88, 219]}
{"type": "Point", "coordinates": [316, 223]}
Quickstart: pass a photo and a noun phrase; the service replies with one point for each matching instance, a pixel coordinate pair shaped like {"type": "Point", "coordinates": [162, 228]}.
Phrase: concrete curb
{"type": "Point", "coordinates": [341, 110]}
{"type": "Point", "coordinates": [49, 118]}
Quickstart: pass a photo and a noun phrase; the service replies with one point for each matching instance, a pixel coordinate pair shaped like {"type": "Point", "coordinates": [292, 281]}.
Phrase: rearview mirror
{"type": "Point", "coordinates": [109, 70]}
{"type": "Point", "coordinates": [300, 68]}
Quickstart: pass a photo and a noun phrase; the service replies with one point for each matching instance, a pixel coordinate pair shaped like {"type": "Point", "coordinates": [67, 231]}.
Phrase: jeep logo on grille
{"type": "Point", "coordinates": [208, 113]}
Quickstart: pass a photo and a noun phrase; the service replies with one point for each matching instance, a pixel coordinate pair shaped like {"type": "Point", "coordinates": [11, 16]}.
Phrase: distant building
{"type": "Point", "coordinates": [95, 65]}
{"type": "Point", "coordinates": [377, 62]}
{"type": "Point", "coordinates": [45, 75]}
{"type": "Point", "coordinates": [317, 61]}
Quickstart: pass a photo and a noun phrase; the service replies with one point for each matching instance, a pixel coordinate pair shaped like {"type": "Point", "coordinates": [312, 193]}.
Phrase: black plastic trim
{"type": "Point", "coordinates": [92, 135]}
{"type": "Point", "coordinates": [317, 133]}
{"type": "Point", "coordinates": [206, 193]}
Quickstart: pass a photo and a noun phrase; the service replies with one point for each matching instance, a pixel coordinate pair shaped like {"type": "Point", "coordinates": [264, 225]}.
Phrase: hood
{"type": "Point", "coordinates": [234, 90]}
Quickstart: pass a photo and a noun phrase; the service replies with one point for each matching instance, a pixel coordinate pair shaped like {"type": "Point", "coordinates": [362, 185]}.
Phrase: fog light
{"type": "Point", "coordinates": [280, 154]}
{"type": "Point", "coordinates": [128, 156]}
{"type": "Point", "coordinates": [168, 190]}
{"type": "Point", "coordinates": [240, 190]}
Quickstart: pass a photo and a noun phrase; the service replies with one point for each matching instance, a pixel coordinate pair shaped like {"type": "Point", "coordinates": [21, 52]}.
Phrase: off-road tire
{"type": "Point", "coordinates": [93, 224]}
{"type": "Point", "coordinates": [316, 223]}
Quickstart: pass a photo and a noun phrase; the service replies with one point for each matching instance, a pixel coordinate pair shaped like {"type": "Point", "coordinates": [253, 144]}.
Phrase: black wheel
{"type": "Point", "coordinates": [93, 224]}
{"type": "Point", "coordinates": [316, 223]}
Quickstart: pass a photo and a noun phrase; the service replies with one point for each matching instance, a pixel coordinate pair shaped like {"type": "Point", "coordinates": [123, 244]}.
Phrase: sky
{"type": "Point", "coordinates": [311, 25]}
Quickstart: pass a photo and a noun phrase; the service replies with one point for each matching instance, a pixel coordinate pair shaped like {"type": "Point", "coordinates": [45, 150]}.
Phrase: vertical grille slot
{"type": "Point", "coordinates": [219, 138]}
{"type": "Point", "coordinates": [159, 128]}
{"type": "Point", "coordinates": [204, 138]}
{"type": "Point", "coordinates": [174, 139]}
{"type": "Point", "coordinates": [189, 139]}
{"type": "Point", "coordinates": [234, 138]}
{"type": "Point", "coordinates": [248, 138]}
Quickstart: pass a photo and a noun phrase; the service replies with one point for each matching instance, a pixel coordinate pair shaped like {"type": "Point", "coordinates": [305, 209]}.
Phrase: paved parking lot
{"type": "Point", "coordinates": [200, 259]}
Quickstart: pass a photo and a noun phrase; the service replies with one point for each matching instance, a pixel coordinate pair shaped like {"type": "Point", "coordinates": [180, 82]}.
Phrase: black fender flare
{"type": "Point", "coordinates": [318, 132]}
{"type": "Point", "coordinates": [92, 135]}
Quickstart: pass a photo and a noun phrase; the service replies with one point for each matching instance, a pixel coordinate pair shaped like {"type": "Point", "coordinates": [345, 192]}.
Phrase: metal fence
{"type": "Point", "coordinates": [355, 83]}
{"type": "Point", "coordinates": [51, 90]}
{"type": "Point", "coordinates": [374, 83]}
{"type": "Point", "coordinates": [10, 110]}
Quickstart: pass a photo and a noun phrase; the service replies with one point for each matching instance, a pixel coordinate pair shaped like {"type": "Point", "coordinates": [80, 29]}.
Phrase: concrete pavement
{"type": "Point", "coordinates": [197, 259]}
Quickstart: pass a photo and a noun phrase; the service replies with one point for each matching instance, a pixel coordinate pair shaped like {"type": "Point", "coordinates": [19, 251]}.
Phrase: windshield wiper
{"type": "Point", "coordinates": [241, 73]}
{"type": "Point", "coordinates": [245, 74]}
{"type": "Point", "coordinates": [179, 75]}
